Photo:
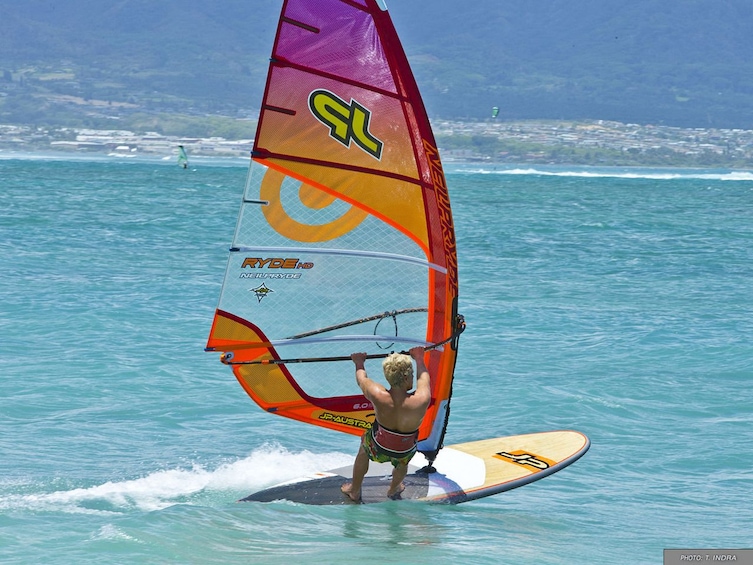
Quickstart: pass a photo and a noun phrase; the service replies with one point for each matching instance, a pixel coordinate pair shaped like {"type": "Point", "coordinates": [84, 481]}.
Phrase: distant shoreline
{"type": "Point", "coordinates": [451, 165]}
{"type": "Point", "coordinates": [529, 142]}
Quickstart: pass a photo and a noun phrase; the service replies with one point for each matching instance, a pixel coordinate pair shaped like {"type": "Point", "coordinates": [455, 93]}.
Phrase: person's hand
{"type": "Point", "coordinates": [358, 358]}
{"type": "Point", "coordinates": [417, 353]}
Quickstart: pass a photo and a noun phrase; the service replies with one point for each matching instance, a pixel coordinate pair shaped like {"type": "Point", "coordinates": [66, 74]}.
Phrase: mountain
{"type": "Point", "coordinates": [674, 62]}
{"type": "Point", "coordinates": [677, 62]}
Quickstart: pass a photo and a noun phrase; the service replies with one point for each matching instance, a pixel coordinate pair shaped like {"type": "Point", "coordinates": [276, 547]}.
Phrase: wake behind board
{"type": "Point", "coordinates": [465, 471]}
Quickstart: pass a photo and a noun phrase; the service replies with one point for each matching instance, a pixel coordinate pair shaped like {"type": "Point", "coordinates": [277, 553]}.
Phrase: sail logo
{"type": "Point", "coordinates": [346, 122]}
{"type": "Point", "coordinates": [316, 205]}
{"type": "Point", "coordinates": [261, 291]}
{"type": "Point", "coordinates": [291, 266]}
{"type": "Point", "coordinates": [525, 459]}
{"type": "Point", "coordinates": [445, 214]}
{"type": "Point", "coordinates": [344, 420]}
{"type": "Point", "coordinates": [275, 263]}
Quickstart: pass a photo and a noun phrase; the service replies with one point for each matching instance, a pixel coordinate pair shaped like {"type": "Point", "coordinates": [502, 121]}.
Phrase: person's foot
{"type": "Point", "coordinates": [347, 490]}
{"type": "Point", "coordinates": [396, 494]}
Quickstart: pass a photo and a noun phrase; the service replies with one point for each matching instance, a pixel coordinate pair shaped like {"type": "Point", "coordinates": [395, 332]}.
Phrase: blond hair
{"type": "Point", "coordinates": [398, 370]}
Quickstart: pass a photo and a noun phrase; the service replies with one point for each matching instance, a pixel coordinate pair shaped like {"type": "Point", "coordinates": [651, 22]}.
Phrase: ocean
{"type": "Point", "coordinates": [616, 302]}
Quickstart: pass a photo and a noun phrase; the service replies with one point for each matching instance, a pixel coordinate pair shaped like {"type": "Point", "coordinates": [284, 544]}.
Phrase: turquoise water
{"type": "Point", "coordinates": [615, 302]}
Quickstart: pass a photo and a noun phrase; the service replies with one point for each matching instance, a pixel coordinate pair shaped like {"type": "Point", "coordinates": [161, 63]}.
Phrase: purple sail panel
{"type": "Point", "coordinates": [335, 38]}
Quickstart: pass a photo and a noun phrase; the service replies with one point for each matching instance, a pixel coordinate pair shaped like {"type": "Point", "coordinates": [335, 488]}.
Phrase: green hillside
{"type": "Point", "coordinates": [686, 63]}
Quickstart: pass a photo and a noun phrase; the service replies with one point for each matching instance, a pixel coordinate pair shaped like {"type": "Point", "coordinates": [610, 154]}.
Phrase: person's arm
{"type": "Point", "coordinates": [423, 379]}
{"type": "Point", "coordinates": [369, 387]}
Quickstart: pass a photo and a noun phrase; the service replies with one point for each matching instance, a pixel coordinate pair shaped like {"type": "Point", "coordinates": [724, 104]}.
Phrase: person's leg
{"type": "Point", "coordinates": [397, 486]}
{"type": "Point", "coordinates": [360, 468]}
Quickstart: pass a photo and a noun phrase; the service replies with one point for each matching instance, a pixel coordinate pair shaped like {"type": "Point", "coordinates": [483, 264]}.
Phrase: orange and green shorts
{"type": "Point", "coordinates": [379, 454]}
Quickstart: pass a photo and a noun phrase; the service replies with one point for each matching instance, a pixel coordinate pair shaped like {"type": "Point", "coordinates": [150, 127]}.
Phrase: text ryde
{"type": "Point", "coordinates": [275, 263]}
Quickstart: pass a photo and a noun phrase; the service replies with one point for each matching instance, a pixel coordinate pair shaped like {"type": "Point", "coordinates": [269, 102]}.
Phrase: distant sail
{"type": "Point", "coordinates": [182, 157]}
{"type": "Point", "coordinates": [495, 112]}
{"type": "Point", "coordinates": [345, 239]}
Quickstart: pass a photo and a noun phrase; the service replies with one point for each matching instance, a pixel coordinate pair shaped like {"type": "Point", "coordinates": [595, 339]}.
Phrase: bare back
{"type": "Point", "coordinates": [399, 412]}
{"type": "Point", "coordinates": [395, 408]}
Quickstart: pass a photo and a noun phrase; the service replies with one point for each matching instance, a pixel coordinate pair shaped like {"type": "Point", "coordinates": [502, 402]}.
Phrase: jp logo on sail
{"type": "Point", "coordinates": [346, 122]}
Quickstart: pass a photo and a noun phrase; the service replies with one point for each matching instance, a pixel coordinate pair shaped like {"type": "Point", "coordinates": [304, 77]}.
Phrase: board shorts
{"type": "Point", "coordinates": [374, 439]}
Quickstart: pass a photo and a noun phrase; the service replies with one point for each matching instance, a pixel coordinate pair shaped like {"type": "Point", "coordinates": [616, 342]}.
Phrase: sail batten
{"type": "Point", "coordinates": [265, 154]}
{"type": "Point", "coordinates": [301, 25]}
{"type": "Point", "coordinates": [351, 252]}
{"type": "Point", "coordinates": [283, 63]}
{"type": "Point", "coordinates": [345, 214]}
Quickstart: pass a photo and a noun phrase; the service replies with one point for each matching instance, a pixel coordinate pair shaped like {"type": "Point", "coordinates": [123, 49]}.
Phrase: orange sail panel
{"type": "Point", "coordinates": [345, 240]}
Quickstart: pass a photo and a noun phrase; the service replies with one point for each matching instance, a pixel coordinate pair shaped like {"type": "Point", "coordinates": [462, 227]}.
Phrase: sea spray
{"type": "Point", "coordinates": [198, 484]}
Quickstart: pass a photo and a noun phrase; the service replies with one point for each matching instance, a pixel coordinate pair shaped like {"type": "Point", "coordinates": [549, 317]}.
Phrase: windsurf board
{"type": "Point", "coordinates": [461, 472]}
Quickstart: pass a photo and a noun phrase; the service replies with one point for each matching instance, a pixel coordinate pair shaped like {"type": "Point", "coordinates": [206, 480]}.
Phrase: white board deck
{"type": "Point", "coordinates": [463, 472]}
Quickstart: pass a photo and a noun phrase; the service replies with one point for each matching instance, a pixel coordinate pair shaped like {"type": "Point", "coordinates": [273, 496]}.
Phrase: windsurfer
{"type": "Point", "coordinates": [398, 414]}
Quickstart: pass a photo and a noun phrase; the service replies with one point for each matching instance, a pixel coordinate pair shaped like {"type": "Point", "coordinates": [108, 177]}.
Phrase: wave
{"type": "Point", "coordinates": [651, 174]}
{"type": "Point", "coordinates": [268, 465]}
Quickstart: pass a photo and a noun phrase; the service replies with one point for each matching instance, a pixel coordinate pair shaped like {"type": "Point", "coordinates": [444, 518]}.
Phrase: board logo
{"type": "Point", "coordinates": [525, 459]}
{"type": "Point", "coordinates": [346, 122]}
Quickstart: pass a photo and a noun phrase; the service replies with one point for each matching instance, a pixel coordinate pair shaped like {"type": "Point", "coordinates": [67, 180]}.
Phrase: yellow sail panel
{"type": "Point", "coordinates": [228, 333]}
{"type": "Point", "coordinates": [395, 201]}
{"type": "Point", "coordinates": [312, 198]}
{"type": "Point", "coordinates": [269, 386]}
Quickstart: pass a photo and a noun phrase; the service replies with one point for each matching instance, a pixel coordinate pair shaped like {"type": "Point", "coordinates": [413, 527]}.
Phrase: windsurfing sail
{"type": "Point", "coordinates": [182, 157]}
{"type": "Point", "coordinates": [345, 240]}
